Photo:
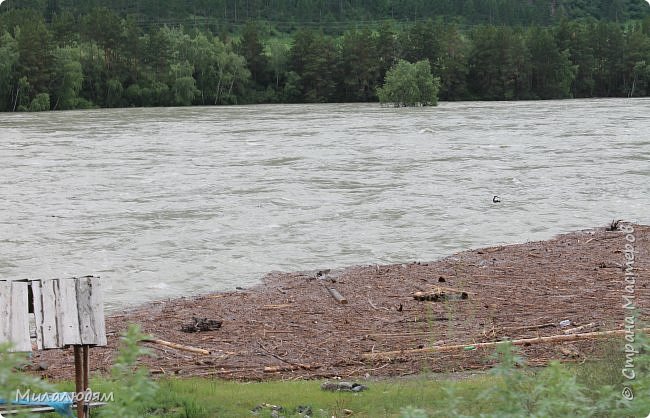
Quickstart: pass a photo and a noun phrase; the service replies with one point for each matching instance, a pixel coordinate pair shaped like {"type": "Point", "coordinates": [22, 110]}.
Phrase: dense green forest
{"type": "Point", "coordinates": [293, 14]}
{"type": "Point", "coordinates": [67, 54]}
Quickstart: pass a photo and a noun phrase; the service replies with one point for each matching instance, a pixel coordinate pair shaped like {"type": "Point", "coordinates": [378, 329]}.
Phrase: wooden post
{"type": "Point", "coordinates": [86, 385]}
{"type": "Point", "coordinates": [86, 361]}
{"type": "Point", "coordinates": [79, 380]}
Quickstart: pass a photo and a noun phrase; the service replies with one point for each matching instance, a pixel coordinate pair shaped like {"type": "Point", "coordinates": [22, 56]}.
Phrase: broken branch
{"type": "Point", "coordinates": [177, 346]}
{"type": "Point", "coordinates": [525, 341]}
{"type": "Point", "coordinates": [336, 295]}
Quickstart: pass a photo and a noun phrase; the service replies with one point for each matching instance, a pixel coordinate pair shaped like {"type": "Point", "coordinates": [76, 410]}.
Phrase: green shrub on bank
{"type": "Point", "coordinates": [134, 392]}
{"type": "Point", "coordinates": [410, 85]}
{"type": "Point", "coordinates": [40, 103]}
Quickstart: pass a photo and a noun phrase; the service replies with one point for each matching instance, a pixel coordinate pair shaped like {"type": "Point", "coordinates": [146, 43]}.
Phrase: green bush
{"type": "Point", "coordinates": [554, 391]}
{"type": "Point", "coordinates": [40, 103]}
{"type": "Point", "coordinates": [133, 391]}
{"type": "Point", "coordinates": [409, 84]}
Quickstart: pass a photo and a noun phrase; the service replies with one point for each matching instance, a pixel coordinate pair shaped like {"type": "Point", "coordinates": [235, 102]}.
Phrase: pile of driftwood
{"type": "Point", "coordinates": [202, 325]}
{"type": "Point", "coordinates": [400, 319]}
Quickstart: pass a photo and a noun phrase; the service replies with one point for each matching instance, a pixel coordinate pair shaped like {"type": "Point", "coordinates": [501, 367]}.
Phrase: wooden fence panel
{"type": "Point", "coordinates": [66, 312]}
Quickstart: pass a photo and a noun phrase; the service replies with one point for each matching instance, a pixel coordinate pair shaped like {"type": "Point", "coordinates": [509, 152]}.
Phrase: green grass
{"type": "Point", "coordinates": [435, 395]}
{"type": "Point", "coordinates": [215, 398]}
{"type": "Point", "coordinates": [509, 390]}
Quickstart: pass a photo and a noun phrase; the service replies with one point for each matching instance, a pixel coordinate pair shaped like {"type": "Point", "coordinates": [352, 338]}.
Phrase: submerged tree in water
{"type": "Point", "coordinates": [410, 84]}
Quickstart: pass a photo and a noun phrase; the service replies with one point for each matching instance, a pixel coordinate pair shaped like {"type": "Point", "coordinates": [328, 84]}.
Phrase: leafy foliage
{"type": "Point", "coordinates": [554, 391]}
{"type": "Point", "coordinates": [83, 55]}
{"type": "Point", "coordinates": [11, 379]}
{"type": "Point", "coordinates": [133, 390]}
{"type": "Point", "coordinates": [410, 85]}
{"type": "Point", "coordinates": [40, 103]}
{"type": "Point", "coordinates": [288, 13]}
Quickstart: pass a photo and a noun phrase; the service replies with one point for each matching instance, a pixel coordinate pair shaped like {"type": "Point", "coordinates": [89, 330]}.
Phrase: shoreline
{"type": "Point", "coordinates": [289, 326]}
{"type": "Point", "coordinates": [376, 104]}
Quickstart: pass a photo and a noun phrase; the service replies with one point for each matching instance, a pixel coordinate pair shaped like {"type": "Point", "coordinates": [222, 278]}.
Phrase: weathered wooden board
{"type": "Point", "coordinates": [15, 315]}
{"type": "Point", "coordinates": [67, 316]}
{"type": "Point", "coordinates": [5, 303]}
{"type": "Point", "coordinates": [37, 303]}
{"type": "Point", "coordinates": [51, 335]}
{"type": "Point", "coordinates": [20, 316]}
{"type": "Point", "coordinates": [91, 311]}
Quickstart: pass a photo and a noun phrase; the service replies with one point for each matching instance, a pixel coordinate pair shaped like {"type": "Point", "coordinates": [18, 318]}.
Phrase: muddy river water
{"type": "Point", "coordinates": [167, 202]}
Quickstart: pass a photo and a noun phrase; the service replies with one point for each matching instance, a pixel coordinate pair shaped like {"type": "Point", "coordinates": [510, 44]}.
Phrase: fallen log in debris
{"type": "Point", "coordinates": [580, 328]}
{"type": "Point", "coordinates": [281, 306]}
{"type": "Point", "coordinates": [288, 368]}
{"type": "Point", "coordinates": [440, 294]}
{"type": "Point", "coordinates": [471, 347]}
{"type": "Point", "coordinates": [177, 346]}
{"type": "Point", "coordinates": [336, 295]}
{"type": "Point", "coordinates": [530, 327]}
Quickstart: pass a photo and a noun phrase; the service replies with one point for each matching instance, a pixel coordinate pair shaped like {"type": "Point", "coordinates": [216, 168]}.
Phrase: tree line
{"type": "Point", "coordinates": [102, 59]}
{"type": "Point", "coordinates": [297, 13]}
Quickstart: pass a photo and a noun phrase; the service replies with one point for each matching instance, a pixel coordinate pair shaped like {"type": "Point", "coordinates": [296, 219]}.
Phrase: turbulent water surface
{"type": "Point", "coordinates": [177, 201]}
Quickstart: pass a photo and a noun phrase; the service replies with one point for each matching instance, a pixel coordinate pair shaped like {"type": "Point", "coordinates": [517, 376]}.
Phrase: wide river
{"type": "Point", "coordinates": [177, 201]}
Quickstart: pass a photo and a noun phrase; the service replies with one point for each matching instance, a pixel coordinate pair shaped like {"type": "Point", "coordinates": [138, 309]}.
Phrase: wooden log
{"type": "Point", "coordinates": [452, 290]}
{"type": "Point", "coordinates": [526, 341]}
{"type": "Point", "coordinates": [580, 328]}
{"type": "Point", "coordinates": [336, 295]}
{"type": "Point", "coordinates": [289, 368]}
{"type": "Point", "coordinates": [440, 294]}
{"type": "Point", "coordinates": [177, 346]}
{"type": "Point", "coordinates": [530, 327]}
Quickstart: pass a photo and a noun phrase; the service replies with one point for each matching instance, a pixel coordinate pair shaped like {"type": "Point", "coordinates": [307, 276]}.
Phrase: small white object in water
{"type": "Point", "coordinates": [160, 286]}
